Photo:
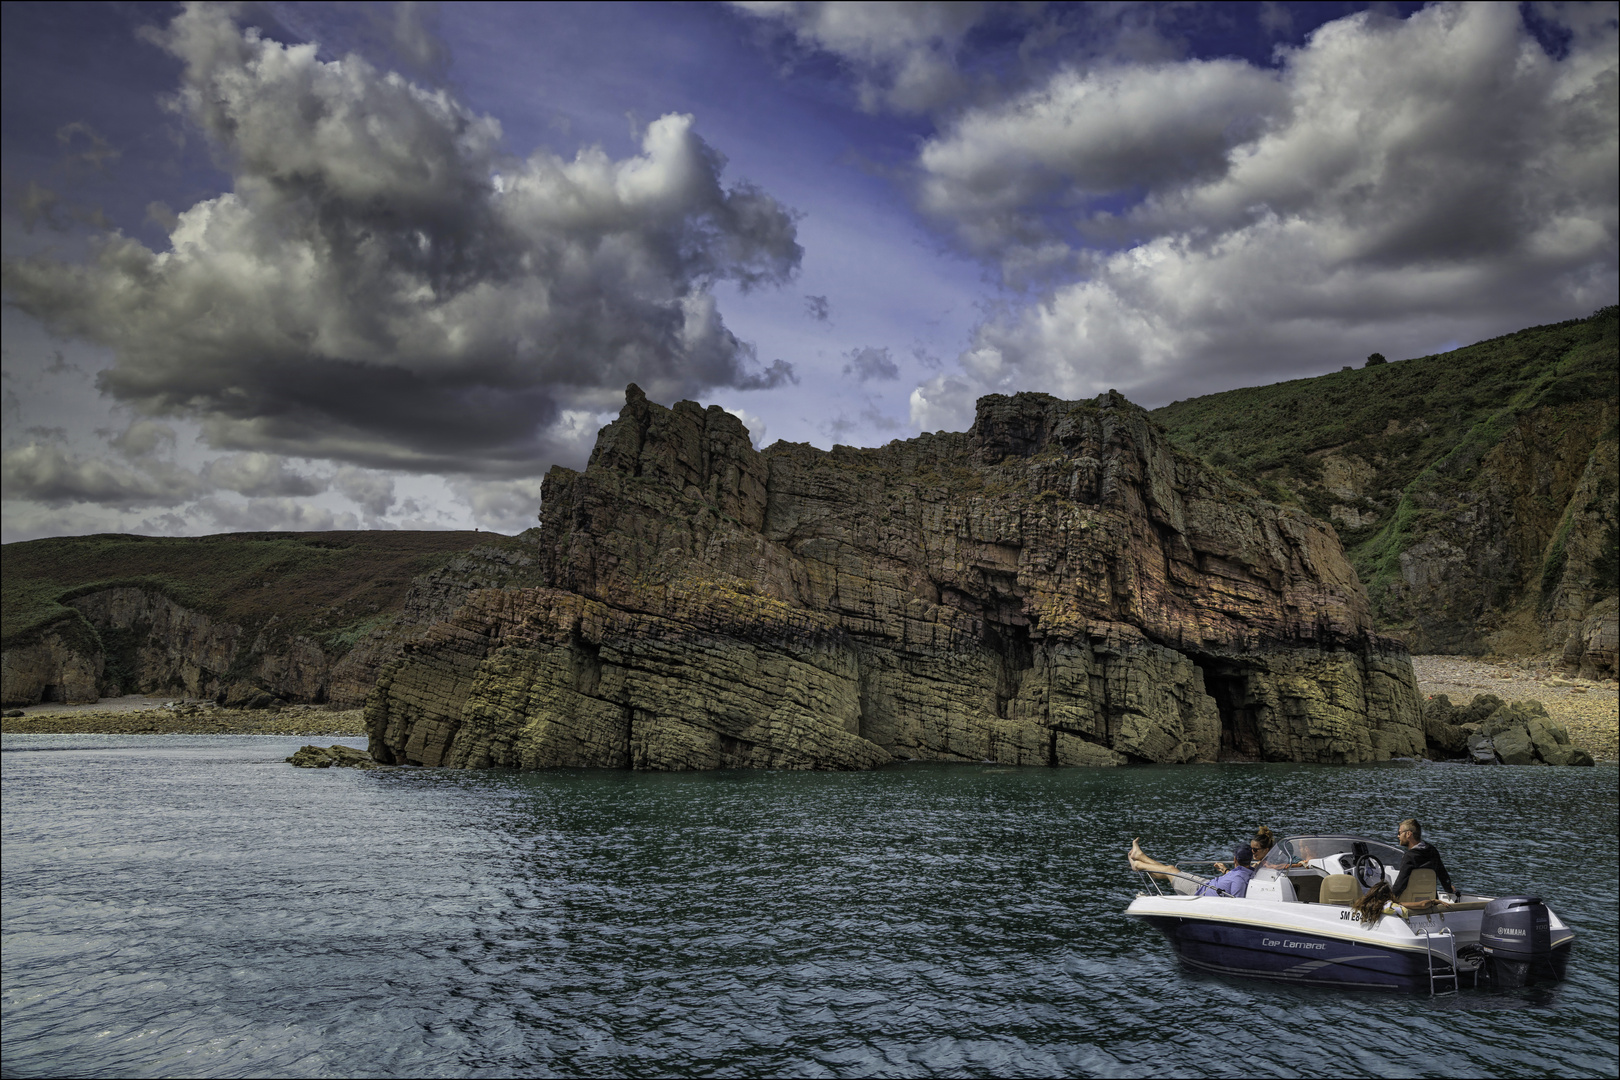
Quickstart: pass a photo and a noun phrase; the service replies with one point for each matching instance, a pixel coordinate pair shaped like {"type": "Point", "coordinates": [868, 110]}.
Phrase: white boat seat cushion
{"type": "Point", "coordinates": [1420, 885]}
{"type": "Point", "coordinates": [1340, 889]}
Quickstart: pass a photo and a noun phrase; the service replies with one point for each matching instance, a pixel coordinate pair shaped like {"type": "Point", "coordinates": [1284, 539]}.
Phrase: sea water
{"type": "Point", "coordinates": [192, 906]}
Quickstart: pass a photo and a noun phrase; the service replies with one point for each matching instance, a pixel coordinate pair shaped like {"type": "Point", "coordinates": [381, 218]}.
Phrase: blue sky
{"type": "Point", "coordinates": [353, 265]}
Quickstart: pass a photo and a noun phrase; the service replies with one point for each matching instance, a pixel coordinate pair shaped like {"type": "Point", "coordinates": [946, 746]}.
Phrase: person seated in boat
{"type": "Point", "coordinates": [1420, 855]}
{"type": "Point", "coordinates": [1233, 882]}
{"type": "Point", "coordinates": [1266, 853]}
{"type": "Point", "coordinates": [1261, 847]}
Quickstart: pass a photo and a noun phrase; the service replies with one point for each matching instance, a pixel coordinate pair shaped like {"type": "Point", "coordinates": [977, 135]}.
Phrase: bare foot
{"type": "Point", "coordinates": [1136, 848]}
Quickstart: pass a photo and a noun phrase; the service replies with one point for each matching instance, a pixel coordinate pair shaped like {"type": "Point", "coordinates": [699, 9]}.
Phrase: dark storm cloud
{"type": "Point", "coordinates": [385, 287]}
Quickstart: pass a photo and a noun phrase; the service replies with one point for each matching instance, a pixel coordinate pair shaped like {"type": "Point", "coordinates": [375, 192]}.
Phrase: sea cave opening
{"type": "Point", "coordinates": [1011, 644]}
{"type": "Point", "coordinates": [1228, 684]}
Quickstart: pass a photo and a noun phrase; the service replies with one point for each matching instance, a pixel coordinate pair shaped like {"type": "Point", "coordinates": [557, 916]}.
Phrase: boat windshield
{"type": "Point", "coordinates": [1304, 849]}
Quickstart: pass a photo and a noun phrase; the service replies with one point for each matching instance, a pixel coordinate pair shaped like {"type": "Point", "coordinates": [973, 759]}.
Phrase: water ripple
{"type": "Point", "coordinates": [192, 907]}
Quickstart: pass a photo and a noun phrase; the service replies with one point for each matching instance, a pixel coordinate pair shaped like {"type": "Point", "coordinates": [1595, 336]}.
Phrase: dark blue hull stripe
{"type": "Point", "coordinates": [1301, 957]}
{"type": "Point", "coordinates": [1294, 956]}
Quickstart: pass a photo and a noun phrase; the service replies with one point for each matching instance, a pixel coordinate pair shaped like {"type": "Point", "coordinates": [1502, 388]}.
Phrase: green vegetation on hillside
{"type": "Point", "coordinates": [1420, 426]}
{"type": "Point", "coordinates": [1409, 414]}
{"type": "Point", "coordinates": [330, 586]}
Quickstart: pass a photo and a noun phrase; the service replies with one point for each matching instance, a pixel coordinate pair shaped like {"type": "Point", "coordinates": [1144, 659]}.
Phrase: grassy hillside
{"type": "Point", "coordinates": [1381, 449]}
{"type": "Point", "coordinates": [331, 586]}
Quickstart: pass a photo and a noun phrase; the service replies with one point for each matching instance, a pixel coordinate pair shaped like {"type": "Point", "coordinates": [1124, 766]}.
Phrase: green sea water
{"type": "Point", "coordinates": [191, 906]}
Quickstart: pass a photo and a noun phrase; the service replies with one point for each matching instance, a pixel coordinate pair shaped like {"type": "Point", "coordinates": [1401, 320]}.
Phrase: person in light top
{"type": "Point", "coordinates": [1233, 882]}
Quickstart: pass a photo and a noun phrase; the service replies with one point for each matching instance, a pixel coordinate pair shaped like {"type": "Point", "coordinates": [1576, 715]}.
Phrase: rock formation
{"type": "Point", "coordinates": [1477, 492]}
{"type": "Point", "coordinates": [1491, 731]}
{"type": "Point", "coordinates": [1057, 586]}
{"type": "Point", "coordinates": [338, 756]}
{"type": "Point", "coordinates": [62, 664]}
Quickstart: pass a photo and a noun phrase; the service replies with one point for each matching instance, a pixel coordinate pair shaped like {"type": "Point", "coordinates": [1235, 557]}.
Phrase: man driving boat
{"type": "Point", "coordinates": [1420, 855]}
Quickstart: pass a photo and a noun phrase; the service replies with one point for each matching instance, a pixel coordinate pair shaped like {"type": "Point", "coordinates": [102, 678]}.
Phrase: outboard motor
{"type": "Point", "coordinates": [1517, 938]}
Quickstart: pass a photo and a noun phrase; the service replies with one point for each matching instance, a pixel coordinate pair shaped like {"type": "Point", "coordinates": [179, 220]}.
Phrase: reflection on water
{"type": "Point", "coordinates": [192, 906]}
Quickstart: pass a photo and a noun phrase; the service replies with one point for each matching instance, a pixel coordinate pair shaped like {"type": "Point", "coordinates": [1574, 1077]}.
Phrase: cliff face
{"type": "Point", "coordinates": [136, 638]}
{"type": "Point", "coordinates": [1475, 491]}
{"type": "Point", "coordinates": [1055, 586]}
{"type": "Point", "coordinates": [55, 667]}
{"type": "Point", "coordinates": [1509, 549]}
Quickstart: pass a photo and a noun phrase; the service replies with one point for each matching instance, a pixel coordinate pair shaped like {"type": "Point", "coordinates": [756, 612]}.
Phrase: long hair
{"type": "Point", "coordinates": [1370, 908]}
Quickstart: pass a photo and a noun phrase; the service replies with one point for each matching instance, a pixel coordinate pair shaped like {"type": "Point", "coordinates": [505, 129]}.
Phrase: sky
{"type": "Point", "coordinates": [342, 266]}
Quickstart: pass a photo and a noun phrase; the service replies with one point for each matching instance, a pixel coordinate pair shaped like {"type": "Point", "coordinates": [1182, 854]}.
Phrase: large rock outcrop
{"type": "Point", "coordinates": [1475, 491]}
{"type": "Point", "coordinates": [1056, 586]}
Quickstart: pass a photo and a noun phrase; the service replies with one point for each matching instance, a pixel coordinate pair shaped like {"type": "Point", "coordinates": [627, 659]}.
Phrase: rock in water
{"type": "Point", "coordinates": [1056, 586]}
{"type": "Point", "coordinates": [346, 757]}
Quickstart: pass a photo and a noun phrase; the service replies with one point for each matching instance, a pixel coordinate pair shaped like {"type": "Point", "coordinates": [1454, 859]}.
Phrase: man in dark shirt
{"type": "Point", "coordinates": [1419, 856]}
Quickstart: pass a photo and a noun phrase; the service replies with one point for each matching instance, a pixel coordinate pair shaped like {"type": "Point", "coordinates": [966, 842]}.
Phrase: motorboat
{"type": "Point", "coordinates": [1296, 922]}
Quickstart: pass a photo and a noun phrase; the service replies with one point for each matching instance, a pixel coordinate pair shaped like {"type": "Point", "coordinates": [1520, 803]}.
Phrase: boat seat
{"type": "Point", "coordinates": [1340, 889]}
{"type": "Point", "coordinates": [1420, 885]}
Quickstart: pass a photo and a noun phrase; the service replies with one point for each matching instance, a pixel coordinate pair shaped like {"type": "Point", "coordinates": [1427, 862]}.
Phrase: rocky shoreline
{"type": "Point", "coordinates": [163, 717]}
{"type": "Point", "coordinates": [1589, 711]}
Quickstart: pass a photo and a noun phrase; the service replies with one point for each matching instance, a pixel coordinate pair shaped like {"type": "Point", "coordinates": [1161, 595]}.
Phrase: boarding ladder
{"type": "Point", "coordinates": [1438, 977]}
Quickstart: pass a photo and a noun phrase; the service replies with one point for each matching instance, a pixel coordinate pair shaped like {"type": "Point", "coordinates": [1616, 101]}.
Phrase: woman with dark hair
{"type": "Point", "coordinates": [1266, 854]}
{"type": "Point", "coordinates": [1370, 908]}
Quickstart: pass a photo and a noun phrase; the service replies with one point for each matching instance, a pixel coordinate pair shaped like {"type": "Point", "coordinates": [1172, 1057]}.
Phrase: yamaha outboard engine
{"type": "Point", "coordinates": [1517, 938]}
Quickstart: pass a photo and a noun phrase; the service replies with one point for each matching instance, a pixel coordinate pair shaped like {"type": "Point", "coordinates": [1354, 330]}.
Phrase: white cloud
{"type": "Point", "coordinates": [257, 474]}
{"type": "Point", "coordinates": [384, 288]}
{"type": "Point", "coordinates": [372, 491]}
{"type": "Point", "coordinates": [272, 515]}
{"type": "Point", "coordinates": [1085, 134]}
{"type": "Point", "coordinates": [507, 506]}
{"type": "Point", "coordinates": [1396, 183]}
{"type": "Point", "coordinates": [48, 472]}
{"type": "Point", "coordinates": [903, 54]}
{"type": "Point", "coordinates": [755, 425]}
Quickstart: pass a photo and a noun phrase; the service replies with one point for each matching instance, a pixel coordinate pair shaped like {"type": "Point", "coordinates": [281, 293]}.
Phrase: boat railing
{"type": "Point", "coordinates": [1153, 880]}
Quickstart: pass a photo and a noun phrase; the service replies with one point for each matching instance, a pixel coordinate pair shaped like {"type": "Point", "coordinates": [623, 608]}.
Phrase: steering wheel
{"type": "Point", "coordinates": [1368, 870]}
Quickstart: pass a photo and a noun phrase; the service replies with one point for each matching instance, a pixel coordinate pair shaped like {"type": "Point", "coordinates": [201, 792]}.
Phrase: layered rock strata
{"type": "Point", "coordinates": [56, 667]}
{"type": "Point", "coordinates": [1056, 586]}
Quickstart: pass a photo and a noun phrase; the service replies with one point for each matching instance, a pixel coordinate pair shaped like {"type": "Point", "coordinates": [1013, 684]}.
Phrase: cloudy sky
{"type": "Point", "coordinates": [379, 266]}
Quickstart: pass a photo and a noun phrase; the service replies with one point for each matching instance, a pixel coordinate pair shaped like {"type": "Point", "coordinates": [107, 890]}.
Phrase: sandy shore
{"type": "Point", "coordinates": [1590, 710]}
